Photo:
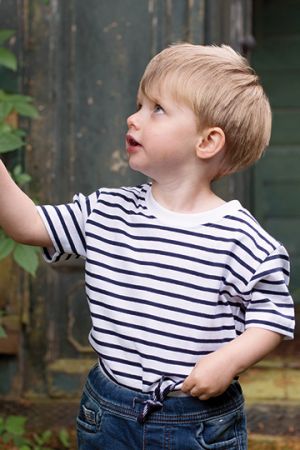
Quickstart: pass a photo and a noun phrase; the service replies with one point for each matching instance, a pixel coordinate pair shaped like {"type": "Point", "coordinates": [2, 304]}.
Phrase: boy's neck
{"type": "Point", "coordinates": [186, 197]}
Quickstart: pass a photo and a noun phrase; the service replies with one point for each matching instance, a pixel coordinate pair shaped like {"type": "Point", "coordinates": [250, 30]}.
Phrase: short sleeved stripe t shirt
{"type": "Point", "coordinates": [165, 289]}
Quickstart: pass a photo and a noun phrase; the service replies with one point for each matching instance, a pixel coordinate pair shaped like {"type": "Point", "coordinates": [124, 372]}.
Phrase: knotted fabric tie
{"type": "Point", "coordinates": [158, 396]}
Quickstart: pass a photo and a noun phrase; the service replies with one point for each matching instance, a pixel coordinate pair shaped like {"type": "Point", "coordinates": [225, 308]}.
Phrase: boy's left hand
{"type": "Point", "coordinates": [210, 377]}
{"type": "Point", "coordinates": [213, 373]}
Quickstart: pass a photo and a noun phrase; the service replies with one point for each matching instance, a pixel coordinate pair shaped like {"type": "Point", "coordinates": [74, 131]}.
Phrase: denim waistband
{"type": "Point", "coordinates": [127, 402]}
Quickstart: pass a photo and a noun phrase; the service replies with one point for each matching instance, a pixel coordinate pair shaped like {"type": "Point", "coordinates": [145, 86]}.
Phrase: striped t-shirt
{"type": "Point", "coordinates": [165, 289]}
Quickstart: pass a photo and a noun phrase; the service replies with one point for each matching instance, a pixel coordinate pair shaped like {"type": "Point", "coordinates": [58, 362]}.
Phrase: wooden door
{"type": "Point", "coordinates": [83, 63]}
{"type": "Point", "coordinates": [276, 178]}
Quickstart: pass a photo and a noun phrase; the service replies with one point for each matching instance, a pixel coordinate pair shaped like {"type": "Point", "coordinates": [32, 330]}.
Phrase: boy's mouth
{"type": "Point", "coordinates": [131, 141]}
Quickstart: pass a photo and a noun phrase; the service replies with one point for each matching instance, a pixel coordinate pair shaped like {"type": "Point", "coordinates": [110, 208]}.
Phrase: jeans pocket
{"type": "Point", "coordinates": [90, 414]}
{"type": "Point", "coordinates": [225, 432]}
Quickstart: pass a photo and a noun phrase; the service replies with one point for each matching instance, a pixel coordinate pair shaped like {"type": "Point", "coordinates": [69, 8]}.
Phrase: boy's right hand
{"type": "Point", "coordinates": [19, 217]}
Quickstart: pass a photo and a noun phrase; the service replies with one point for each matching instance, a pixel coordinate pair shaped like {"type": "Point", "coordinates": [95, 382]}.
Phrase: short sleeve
{"type": "Point", "coordinates": [271, 305]}
{"type": "Point", "coordinates": [66, 227]}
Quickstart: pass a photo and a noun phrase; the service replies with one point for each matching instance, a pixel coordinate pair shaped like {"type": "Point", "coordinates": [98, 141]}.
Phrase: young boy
{"type": "Point", "coordinates": [185, 290]}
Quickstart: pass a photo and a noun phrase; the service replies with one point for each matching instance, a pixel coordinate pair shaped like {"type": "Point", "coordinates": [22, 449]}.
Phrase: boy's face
{"type": "Point", "coordinates": [162, 137]}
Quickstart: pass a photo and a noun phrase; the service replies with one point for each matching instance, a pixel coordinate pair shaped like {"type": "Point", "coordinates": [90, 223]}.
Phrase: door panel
{"type": "Point", "coordinates": [276, 188]}
{"type": "Point", "coordinates": [84, 65]}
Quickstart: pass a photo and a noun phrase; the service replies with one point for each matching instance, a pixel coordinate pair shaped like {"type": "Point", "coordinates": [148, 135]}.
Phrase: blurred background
{"type": "Point", "coordinates": [80, 62]}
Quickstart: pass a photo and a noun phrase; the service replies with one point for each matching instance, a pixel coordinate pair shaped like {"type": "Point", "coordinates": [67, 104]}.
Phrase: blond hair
{"type": "Point", "coordinates": [222, 90]}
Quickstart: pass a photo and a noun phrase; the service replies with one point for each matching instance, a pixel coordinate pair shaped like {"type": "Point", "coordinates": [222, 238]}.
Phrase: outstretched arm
{"type": "Point", "coordinates": [213, 374]}
{"type": "Point", "coordinates": [18, 214]}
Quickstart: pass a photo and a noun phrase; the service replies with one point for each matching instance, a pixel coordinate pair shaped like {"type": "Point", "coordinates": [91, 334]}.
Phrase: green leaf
{"type": "Point", "coordinates": [8, 59]}
{"type": "Point", "coordinates": [23, 179]}
{"type": "Point", "coordinates": [25, 109]}
{"type": "Point", "coordinates": [6, 437]}
{"type": "Point", "coordinates": [9, 141]}
{"type": "Point", "coordinates": [41, 439]}
{"type": "Point", "coordinates": [25, 447]}
{"type": "Point", "coordinates": [64, 438]}
{"type": "Point", "coordinates": [15, 98]}
{"type": "Point", "coordinates": [15, 425]}
{"type": "Point", "coordinates": [19, 132]}
{"type": "Point", "coordinates": [26, 257]}
{"type": "Point", "coordinates": [6, 246]}
{"type": "Point", "coordinates": [5, 128]}
{"type": "Point", "coordinates": [2, 427]}
{"type": "Point", "coordinates": [5, 35]}
{"type": "Point", "coordinates": [2, 335]}
{"type": "Point", "coordinates": [20, 177]}
{"type": "Point", "coordinates": [5, 110]}
{"type": "Point", "coordinates": [19, 440]}
{"type": "Point", "coordinates": [17, 170]}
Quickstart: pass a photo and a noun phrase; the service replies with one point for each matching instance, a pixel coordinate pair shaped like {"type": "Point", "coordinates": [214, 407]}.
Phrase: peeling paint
{"type": "Point", "coordinates": [151, 6]}
{"type": "Point", "coordinates": [69, 365]}
{"type": "Point", "coordinates": [90, 101]}
{"type": "Point", "coordinates": [110, 27]}
{"type": "Point", "coordinates": [118, 162]}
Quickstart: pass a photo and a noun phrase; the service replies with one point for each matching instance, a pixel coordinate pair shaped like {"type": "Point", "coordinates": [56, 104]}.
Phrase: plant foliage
{"type": "Point", "coordinates": [12, 138]}
{"type": "Point", "coordinates": [13, 435]}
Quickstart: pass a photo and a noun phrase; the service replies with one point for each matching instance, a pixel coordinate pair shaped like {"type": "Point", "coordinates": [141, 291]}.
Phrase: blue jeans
{"type": "Point", "coordinates": [108, 415]}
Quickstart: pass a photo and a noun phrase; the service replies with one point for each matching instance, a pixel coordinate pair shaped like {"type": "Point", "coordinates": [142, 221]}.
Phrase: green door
{"type": "Point", "coordinates": [276, 187]}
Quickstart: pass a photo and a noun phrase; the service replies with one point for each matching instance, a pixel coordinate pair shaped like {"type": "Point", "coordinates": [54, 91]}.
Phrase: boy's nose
{"type": "Point", "coordinates": [132, 121]}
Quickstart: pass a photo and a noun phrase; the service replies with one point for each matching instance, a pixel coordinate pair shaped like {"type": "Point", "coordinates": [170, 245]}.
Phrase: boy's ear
{"type": "Point", "coordinates": [211, 142]}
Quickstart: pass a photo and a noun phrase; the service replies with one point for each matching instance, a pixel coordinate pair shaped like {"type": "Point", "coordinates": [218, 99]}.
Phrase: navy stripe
{"type": "Point", "coordinates": [146, 356]}
{"type": "Point", "coordinates": [149, 276]}
{"type": "Point", "coordinates": [237, 230]}
{"type": "Point", "coordinates": [148, 343]}
{"type": "Point", "coordinates": [272, 311]}
{"type": "Point", "coordinates": [269, 272]}
{"type": "Point", "coordinates": [277, 304]}
{"type": "Point", "coordinates": [160, 319]}
{"type": "Point", "coordinates": [161, 279]}
{"type": "Point", "coordinates": [275, 282]}
{"type": "Point", "coordinates": [53, 230]}
{"type": "Point", "coordinates": [127, 199]}
{"type": "Point", "coordinates": [128, 212]}
{"type": "Point", "coordinates": [113, 217]}
{"type": "Point", "coordinates": [270, 324]}
{"type": "Point", "coordinates": [88, 206]}
{"type": "Point", "coordinates": [140, 301]}
{"type": "Point", "coordinates": [182, 244]}
{"type": "Point", "coordinates": [164, 253]}
{"type": "Point", "coordinates": [255, 229]}
{"type": "Point", "coordinates": [274, 293]}
{"type": "Point", "coordinates": [127, 362]}
{"type": "Point", "coordinates": [157, 332]}
{"type": "Point", "coordinates": [160, 265]}
{"type": "Point", "coordinates": [148, 289]}
{"type": "Point", "coordinates": [78, 229]}
{"type": "Point", "coordinates": [63, 224]}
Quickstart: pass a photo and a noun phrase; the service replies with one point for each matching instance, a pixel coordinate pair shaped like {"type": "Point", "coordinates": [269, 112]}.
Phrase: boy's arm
{"type": "Point", "coordinates": [213, 374]}
{"type": "Point", "coordinates": [19, 217]}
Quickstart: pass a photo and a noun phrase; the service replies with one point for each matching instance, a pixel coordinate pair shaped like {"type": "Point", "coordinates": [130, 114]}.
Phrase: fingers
{"type": "Point", "coordinates": [190, 387]}
{"type": "Point", "coordinates": [187, 386]}
{"type": "Point", "coordinates": [199, 393]}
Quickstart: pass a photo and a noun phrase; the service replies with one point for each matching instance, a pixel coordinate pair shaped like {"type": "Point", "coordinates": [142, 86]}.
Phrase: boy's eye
{"type": "Point", "coordinates": [138, 106]}
{"type": "Point", "coordinates": [158, 109]}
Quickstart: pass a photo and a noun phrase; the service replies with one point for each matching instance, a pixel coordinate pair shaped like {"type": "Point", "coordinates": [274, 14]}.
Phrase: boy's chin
{"type": "Point", "coordinates": [136, 167]}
